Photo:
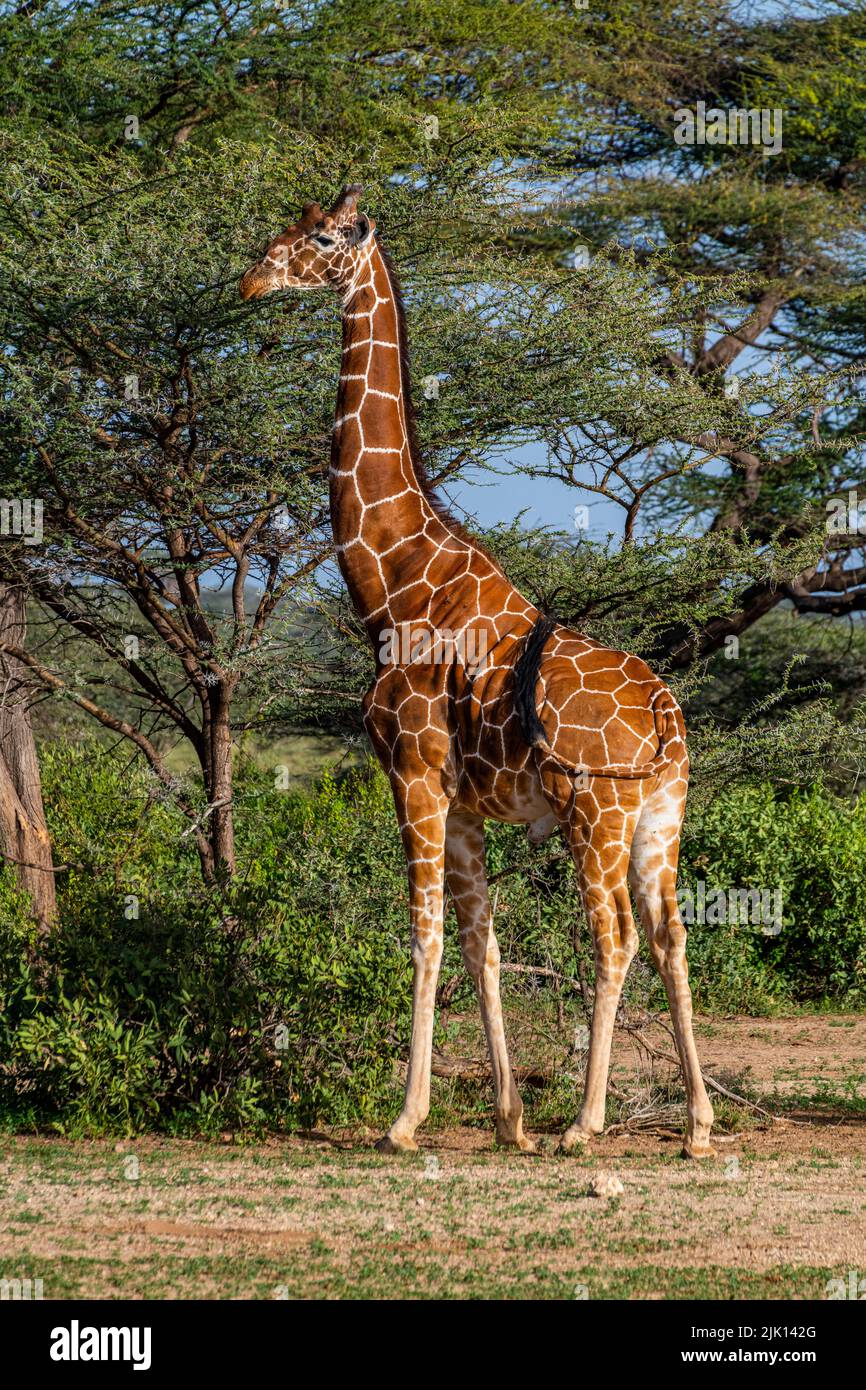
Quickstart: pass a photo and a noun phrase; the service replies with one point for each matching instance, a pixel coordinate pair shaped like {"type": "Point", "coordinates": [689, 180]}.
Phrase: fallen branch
{"type": "Point", "coordinates": [714, 1085]}
{"type": "Point", "coordinates": [660, 1117]}
{"type": "Point", "coordinates": [474, 1069]}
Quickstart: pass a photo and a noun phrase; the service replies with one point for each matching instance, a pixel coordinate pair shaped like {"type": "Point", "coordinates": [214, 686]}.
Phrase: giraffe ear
{"type": "Point", "coordinates": [360, 230]}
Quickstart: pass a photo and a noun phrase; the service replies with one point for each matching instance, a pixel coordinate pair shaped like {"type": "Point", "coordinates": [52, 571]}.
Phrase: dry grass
{"type": "Point", "coordinates": [776, 1214]}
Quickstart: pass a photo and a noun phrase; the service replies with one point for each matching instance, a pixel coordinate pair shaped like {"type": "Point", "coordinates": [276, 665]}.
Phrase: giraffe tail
{"type": "Point", "coordinates": [526, 676]}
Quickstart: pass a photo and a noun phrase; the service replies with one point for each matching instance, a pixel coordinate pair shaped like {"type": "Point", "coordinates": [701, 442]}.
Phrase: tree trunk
{"type": "Point", "coordinates": [218, 775]}
{"type": "Point", "coordinates": [24, 836]}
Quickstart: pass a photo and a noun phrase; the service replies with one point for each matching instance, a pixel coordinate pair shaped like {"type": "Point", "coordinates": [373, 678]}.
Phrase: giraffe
{"type": "Point", "coordinates": [490, 710]}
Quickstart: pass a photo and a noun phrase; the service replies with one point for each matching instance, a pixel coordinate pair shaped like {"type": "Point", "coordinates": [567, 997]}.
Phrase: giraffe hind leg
{"type": "Point", "coordinates": [615, 944]}
{"type": "Point", "coordinates": [653, 878]}
{"type": "Point", "coordinates": [598, 822]}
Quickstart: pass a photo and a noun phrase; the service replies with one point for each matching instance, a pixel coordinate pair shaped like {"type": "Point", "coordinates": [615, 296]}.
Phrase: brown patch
{"type": "Point", "coordinates": [778, 1056]}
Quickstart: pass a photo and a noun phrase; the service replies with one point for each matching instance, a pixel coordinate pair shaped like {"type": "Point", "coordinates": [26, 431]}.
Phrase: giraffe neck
{"type": "Point", "coordinates": [386, 531]}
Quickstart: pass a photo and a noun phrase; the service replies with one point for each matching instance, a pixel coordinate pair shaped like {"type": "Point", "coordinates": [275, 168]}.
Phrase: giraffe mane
{"type": "Point", "coordinates": [419, 464]}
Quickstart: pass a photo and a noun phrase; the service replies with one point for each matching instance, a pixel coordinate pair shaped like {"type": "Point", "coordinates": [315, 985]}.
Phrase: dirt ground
{"type": "Point", "coordinates": [779, 1213]}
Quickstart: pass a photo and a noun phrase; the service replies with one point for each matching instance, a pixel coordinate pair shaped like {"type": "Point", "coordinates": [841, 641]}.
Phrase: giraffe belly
{"type": "Point", "coordinates": [514, 797]}
{"type": "Point", "coordinates": [542, 829]}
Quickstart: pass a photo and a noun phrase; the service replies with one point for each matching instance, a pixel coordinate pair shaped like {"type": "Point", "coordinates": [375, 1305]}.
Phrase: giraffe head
{"type": "Point", "coordinates": [321, 248]}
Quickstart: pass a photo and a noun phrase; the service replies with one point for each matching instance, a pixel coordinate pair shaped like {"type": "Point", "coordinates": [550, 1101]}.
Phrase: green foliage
{"type": "Point", "coordinates": [96, 1071]}
{"type": "Point", "coordinates": [810, 845]}
{"type": "Point", "coordinates": [281, 1000]}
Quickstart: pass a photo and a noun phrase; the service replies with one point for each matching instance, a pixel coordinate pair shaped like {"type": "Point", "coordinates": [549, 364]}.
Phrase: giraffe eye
{"type": "Point", "coordinates": [324, 240]}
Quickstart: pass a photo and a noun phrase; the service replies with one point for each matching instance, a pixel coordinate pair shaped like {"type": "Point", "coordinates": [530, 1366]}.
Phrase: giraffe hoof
{"type": "Point", "coordinates": [573, 1138]}
{"type": "Point", "coordinates": [516, 1141]}
{"type": "Point", "coordinates": [389, 1145]}
{"type": "Point", "coordinates": [698, 1150]}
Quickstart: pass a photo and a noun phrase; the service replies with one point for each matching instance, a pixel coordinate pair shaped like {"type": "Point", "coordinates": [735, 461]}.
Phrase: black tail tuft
{"type": "Point", "coordinates": [526, 679]}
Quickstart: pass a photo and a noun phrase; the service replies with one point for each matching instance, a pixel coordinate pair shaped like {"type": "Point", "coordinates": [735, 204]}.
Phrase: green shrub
{"type": "Point", "coordinates": [99, 1072]}
{"type": "Point", "coordinates": [281, 1001]}
{"type": "Point", "coordinates": [809, 844]}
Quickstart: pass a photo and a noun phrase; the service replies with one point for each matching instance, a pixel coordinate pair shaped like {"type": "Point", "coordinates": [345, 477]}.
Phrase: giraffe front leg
{"type": "Point", "coordinates": [422, 827]}
{"type": "Point", "coordinates": [467, 883]}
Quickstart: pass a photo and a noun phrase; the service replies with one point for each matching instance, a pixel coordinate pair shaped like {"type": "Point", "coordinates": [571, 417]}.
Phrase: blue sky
{"type": "Point", "coordinates": [490, 499]}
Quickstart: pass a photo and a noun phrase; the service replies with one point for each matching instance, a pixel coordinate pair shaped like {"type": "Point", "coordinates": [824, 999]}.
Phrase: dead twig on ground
{"type": "Point", "coordinates": [635, 1030]}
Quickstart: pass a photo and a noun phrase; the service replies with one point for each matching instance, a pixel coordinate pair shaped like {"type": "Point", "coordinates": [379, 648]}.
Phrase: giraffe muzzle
{"type": "Point", "coordinates": [253, 284]}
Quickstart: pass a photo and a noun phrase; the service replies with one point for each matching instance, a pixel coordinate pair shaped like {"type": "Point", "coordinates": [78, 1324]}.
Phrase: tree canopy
{"type": "Point", "coordinates": [678, 329]}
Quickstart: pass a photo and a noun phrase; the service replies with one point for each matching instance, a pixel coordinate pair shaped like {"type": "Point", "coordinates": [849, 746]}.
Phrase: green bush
{"type": "Point", "coordinates": [99, 1071]}
{"type": "Point", "coordinates": [282, 1001]}
{"type": "Point", "coordinates": [809, 844]}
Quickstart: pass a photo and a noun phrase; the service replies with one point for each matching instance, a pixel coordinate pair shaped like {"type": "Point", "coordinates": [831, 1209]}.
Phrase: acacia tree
{"type": "Point", "coordinates": [178, 438]}
{"type": "Point", "coordinates": [130, 410]}
{"type": "Point", "coordinates": [788, 347]}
